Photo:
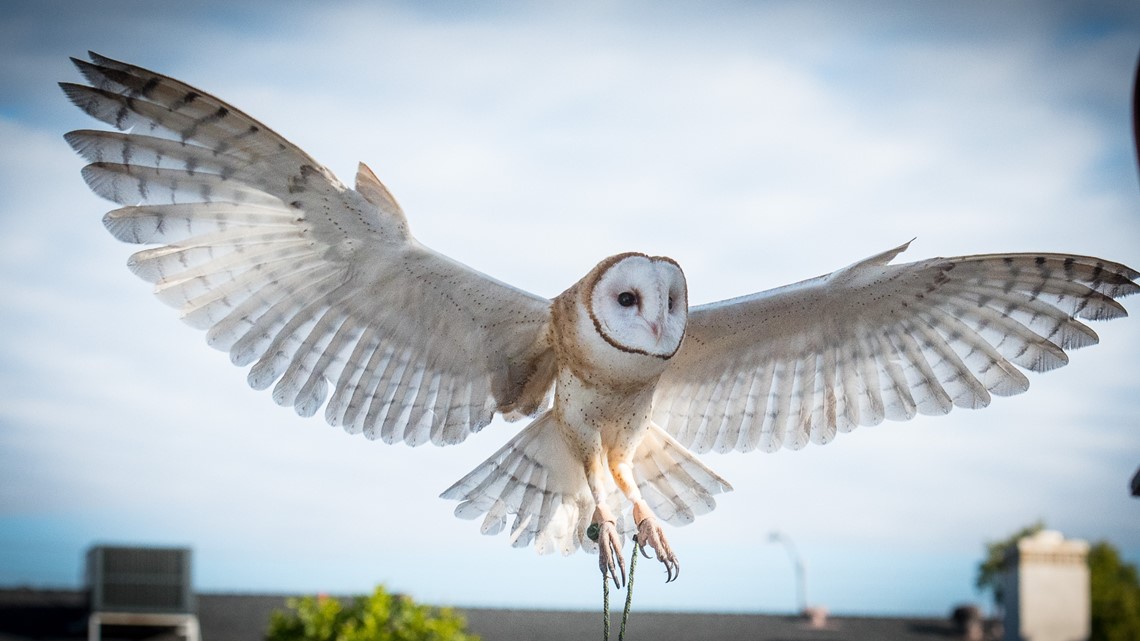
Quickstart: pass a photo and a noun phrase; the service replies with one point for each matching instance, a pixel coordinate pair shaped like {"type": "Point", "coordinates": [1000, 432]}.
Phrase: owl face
{"type": "Point", "coordinates": [639, 304]}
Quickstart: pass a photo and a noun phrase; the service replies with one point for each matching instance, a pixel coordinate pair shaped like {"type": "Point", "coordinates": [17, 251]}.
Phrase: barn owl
{"type": "Point", "coordinates": [327, 297]}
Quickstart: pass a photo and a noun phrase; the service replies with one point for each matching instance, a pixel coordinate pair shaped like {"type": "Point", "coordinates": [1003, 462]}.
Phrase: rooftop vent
{"type": "Point", "coordinates": [139, 579]}
{"type": "Point", "coordinates": [142, 588]}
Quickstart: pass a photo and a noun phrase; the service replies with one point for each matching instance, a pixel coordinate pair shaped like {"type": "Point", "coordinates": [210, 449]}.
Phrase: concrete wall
{"type": "Point", "coordinates": [1047, 590]}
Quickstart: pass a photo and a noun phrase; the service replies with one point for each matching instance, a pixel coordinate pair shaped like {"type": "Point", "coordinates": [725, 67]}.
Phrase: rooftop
{"type": "Point", "coordinates": [58, 615]}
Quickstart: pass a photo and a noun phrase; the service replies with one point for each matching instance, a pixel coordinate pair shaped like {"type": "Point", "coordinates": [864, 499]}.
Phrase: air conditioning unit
{"type": "Point", "coordinates": [140, 580]}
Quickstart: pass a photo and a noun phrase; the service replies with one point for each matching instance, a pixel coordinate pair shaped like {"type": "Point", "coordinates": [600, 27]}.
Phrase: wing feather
{"type": "Point", "coordinates": [779, 401]}
{"type": "Point", "coordinates": [898, 404]}
{"type": "Point", "coordinates": [755, 408]}
{"type": "Point", "coordinates": [172, 223]}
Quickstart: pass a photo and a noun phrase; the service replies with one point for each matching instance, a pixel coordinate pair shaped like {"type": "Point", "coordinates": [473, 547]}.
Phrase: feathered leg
{"type": "Point", "coordinates": [649, 530]}
{"type": "Point", "coordinates": [610, 559]}
{"type": "Point", "coordinates": [665, 482]}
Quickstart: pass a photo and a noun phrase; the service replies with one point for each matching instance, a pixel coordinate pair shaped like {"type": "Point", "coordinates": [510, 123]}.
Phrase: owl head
{"type": "Point", "coordinates": [639, 304]}
{"type": "Point", "coordinates": [629, 316]}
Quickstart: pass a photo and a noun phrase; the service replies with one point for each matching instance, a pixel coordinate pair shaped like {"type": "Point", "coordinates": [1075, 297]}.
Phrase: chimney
{"type": "Point", "coordinates": [1047, 589]}
{"type": "Point", "coordinates": [816, 616]}
{"type": "Point", "coordinates": [968, 623]}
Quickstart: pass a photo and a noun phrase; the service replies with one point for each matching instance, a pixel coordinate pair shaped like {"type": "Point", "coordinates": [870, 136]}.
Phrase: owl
{"type": "Point", "coordinates": [323, 292]}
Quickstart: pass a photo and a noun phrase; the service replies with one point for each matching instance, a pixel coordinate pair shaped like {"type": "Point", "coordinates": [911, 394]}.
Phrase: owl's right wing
{"type": "Point", "coordinates": [313, 283]}
{"type": "Point", "coordinates": [874, 341]}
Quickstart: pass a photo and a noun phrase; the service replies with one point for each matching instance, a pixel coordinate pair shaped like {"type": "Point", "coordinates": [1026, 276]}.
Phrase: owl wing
{"type": "Point", "coordinates": [874, 341]}
{"type": "Point", "coordinates": [289, 270]}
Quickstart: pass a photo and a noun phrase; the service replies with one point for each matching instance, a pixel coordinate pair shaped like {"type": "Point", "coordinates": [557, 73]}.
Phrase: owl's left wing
{"type": "Point", "coordinates": [874, 341]}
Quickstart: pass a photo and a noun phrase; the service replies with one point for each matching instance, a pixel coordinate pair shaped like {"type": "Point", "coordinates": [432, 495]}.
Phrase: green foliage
{"type": "Point", "coordinates": [378, 617]}
{"type": "Point", "coordinates": [989, 572]}
{"type": "Point", "coordinates": [1115, 596]}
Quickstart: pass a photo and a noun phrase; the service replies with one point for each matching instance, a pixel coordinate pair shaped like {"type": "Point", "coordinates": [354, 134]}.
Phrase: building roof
{"type": "Point", "coordinates": [61, 615]}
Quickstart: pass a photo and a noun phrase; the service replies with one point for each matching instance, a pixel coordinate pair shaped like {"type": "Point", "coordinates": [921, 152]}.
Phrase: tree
{"type": "Point", "coordinates": [1115, 595]}
{"type": "Point", "coordinates": [378, 617]}
{"type": "Point", "coordinates": [989, 572]}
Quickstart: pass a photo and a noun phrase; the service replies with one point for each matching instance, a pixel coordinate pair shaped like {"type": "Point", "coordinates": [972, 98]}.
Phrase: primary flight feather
{"type": "Point", "coordinates": [327, 297]}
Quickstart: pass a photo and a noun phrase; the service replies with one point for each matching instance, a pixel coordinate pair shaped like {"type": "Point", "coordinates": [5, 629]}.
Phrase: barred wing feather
{"type": "Point", "coordinates": [878, 341]}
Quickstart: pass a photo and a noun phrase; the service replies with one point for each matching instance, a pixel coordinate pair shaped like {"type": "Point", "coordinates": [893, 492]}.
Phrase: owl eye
{"type": "Point", "coordinates": [670, 303]}
{"type": "Point", "coordinates": [627, 299]}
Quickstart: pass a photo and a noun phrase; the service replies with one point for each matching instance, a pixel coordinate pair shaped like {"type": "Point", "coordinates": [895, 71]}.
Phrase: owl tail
{"type": "Point", "coordinates": [677, 486]}
{"type": "Point", "coordinates": [539, 480]}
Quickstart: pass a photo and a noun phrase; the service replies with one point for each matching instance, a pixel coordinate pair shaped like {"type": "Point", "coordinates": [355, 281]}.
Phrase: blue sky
{"type": "Point", "coordinates": [756, 143]}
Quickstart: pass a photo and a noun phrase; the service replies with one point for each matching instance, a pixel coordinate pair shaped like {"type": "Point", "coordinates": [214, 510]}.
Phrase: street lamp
{"type": "Point", "coordinates": [801, 579]}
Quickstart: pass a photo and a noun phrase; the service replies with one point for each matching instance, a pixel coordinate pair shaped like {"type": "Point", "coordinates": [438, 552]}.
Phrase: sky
{"type": "Point", "coordinates": [756, 143]}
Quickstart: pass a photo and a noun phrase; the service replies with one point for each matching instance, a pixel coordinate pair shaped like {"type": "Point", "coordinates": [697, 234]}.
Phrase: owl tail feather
{"type": "Point", "coordinates": [538, 479]}
{"type": "Point", "coordinates": [677, 486]}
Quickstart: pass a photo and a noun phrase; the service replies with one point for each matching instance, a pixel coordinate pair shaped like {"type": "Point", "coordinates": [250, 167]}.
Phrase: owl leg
{"type": "Point", "coordinates": [649, 530]}
{"type": "Point", "coordinates": [649, 533]}
{"type": "Point", "coordinates": [610, 559]}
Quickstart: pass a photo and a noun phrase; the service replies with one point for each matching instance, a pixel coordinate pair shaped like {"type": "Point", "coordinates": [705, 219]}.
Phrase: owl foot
{"type": "Point", "coordinates": [610, 559]}
{"type": "Point", "coordinates": [649, 533]}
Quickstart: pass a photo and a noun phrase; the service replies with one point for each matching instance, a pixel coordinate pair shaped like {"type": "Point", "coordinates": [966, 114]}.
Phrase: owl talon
{"type": "Point", "coordinates": [610, 559]}
{"type": "Point", "coordinates": [649, 533]}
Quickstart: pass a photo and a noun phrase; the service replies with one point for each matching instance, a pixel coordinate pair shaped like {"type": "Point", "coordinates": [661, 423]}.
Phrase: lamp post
{"type": "Point", "coordinates": [801, 578]}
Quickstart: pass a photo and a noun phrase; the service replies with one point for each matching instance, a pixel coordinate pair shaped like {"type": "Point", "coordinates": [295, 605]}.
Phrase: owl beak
{"type": "Point", "coordinates": [655, 328]}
